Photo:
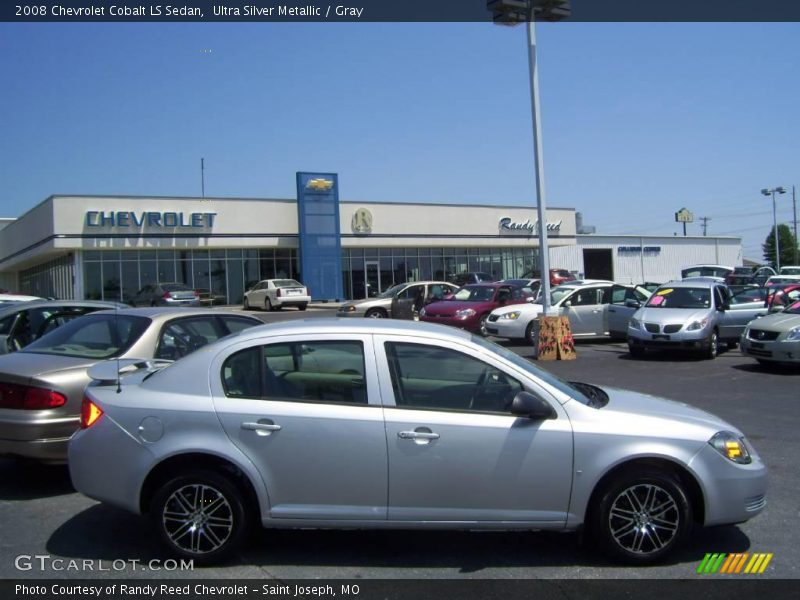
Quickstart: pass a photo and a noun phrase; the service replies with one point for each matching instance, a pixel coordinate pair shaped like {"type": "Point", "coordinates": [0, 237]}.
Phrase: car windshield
{"type": "Point", "coordinates": [680, 297]}
{"type": "Point", "coordinates": [392, 291]}
{"type": "Point", "coordinates": [793, 309]}
{"type": "Point", "coordinates": [559, 294]}
{"type": "Point", "coordinates": [534, 370]}
{"type": "Point", "coordinates": [284, 283]}
{"type": "Point", "coordinates": [790, 270]}
{"type": "Point", "coordinates": [99, 336]}
{"type": "Point", "coordinates": [475, 293]}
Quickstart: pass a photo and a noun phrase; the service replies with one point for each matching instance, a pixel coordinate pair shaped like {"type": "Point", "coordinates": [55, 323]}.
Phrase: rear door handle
{"type": "Point", "coordinates": [264, 427]}
{"type": "Point", "coordinates": [417, 435]}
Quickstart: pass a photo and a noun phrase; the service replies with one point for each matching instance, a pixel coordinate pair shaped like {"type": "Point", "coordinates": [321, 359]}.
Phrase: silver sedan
{"type": "Point", "coordinates": [377, 424]}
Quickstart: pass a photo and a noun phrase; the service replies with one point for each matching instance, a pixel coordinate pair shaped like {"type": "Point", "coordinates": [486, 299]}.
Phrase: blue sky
{"type": "Point", "coordinates": [639, 119]}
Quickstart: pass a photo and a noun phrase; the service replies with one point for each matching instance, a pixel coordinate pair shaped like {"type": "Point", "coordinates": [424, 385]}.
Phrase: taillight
{"type": "Point", "coordinates": [196, 294]}
{"type": "Point", "coordinates": [167, 296]}
{"type": "Point", "coordinates": [90, 413]}
{"type": "Point", "coordinates": [278, 293]}
{"type": "Point", "coordinates": [23, 397]}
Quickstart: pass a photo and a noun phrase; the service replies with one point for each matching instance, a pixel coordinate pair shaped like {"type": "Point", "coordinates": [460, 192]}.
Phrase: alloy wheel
{"type": "Point", "coordinates": [198, 519]}
{"type": "Point", "coordinates": [644, 518]}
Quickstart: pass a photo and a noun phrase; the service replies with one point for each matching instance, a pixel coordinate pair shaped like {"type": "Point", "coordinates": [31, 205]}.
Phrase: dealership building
{"type": "Point", "coordinates": [108, 247]}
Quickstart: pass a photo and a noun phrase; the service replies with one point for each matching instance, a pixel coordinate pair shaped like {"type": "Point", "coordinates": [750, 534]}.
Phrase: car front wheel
{"type": "Point", "coordinates": [200, 515]}
{"type": "Point", "coordinates": [713, 345]}
{"type": "Point", "coordinates": [641, 516]}
{"type": "Point", "coordinates": [482, 326]}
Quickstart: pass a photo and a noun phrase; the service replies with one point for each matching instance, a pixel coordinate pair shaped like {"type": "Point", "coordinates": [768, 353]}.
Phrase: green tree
{"type": "Point", "coordinates": [787, 244]}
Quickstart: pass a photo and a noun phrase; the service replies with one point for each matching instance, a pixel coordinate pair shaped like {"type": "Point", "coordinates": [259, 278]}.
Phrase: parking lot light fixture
{"type": "Point", "coordinates": [772, 192]}
{"type": "Point", "coordinates": [513, 12]}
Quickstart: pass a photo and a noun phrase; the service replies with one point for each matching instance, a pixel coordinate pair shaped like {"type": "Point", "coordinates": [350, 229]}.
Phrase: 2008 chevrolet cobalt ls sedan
{"type": "Point", "coordinates": [378, 424]}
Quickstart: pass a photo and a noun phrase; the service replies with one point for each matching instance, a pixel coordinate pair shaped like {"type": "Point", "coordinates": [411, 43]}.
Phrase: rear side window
{"type": "Point", "coordinates": [183, 336]}
{"type": "Point", "coordinates": [330, 372]}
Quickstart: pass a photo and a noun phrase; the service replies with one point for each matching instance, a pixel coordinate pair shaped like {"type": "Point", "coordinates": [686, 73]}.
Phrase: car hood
{"type": "Point", "coordinates": [368, 302]}
{"type": "Point", "coordinates": [658, 416]}
{"type": "Point", "coordinates": [529, 309]}
{"type": "Point", "coordinates": [22, 365]}
{"type": "Point", "coordinates": [671, 315]}
{"type": "Point", "coordinates": [448, 308]}
{"type": "Point", "coordinates": [777, 322]}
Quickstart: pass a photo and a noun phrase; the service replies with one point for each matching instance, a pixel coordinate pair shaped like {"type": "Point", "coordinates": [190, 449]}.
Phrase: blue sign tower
{"type": "Point", "coordinates": [320, 239]}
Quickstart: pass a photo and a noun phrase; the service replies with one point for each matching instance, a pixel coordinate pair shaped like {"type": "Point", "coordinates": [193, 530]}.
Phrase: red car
{"type": "Point", "coordinates": [557, 276]}
{"type": "Point", "coordinates": [469, 307]}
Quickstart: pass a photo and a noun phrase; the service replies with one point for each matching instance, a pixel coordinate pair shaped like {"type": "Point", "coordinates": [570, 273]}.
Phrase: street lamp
{"type": "Point", "coordinates": [772, 192]}
{"type": "Point", "coordinates": [513, 12]}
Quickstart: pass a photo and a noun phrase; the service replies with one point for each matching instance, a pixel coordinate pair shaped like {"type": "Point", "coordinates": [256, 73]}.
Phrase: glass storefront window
{"type": "Point", "coordinates": [130, 279]}
{"type": "Point", "coordinates": [111, 280]}
{"type": "Point", "coordinates": [92, 280]}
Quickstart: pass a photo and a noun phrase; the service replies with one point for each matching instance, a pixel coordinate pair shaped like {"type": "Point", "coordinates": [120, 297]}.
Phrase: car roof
{"type": "Point", "coordinates": [29, 304]}
{"type": "Point", "coordinates": [707, 265]}
{"type": "Point", "coordinates": [693, 282]}
{"type": "Point", "coordinates": [162, 313]}
{"type": "Point", "coordinates": [332, 325]}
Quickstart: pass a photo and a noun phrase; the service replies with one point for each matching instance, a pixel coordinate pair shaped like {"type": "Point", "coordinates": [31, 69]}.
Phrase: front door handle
{"type": "Point", "coordinates": [263, 427]}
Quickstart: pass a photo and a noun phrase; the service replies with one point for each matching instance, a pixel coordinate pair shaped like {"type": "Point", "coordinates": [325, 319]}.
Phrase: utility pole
{"type": "Point", "coordinates": [202, 178]}
{"type": "Point", "coordinates": [794, 219]}
{"type": "Point", "coordinates": [705, 221]}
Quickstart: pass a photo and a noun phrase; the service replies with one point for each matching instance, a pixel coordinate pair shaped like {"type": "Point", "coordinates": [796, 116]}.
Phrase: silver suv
{"type": "Point", "coordinates": [694, 314]}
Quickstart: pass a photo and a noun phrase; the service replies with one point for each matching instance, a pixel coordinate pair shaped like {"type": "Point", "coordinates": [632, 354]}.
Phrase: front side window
{"type": "Point", "coordinates": [435, 378]}
{"type": "Point", "coordinates": [584, 298]}
{"type": "Point", "coordinates": [318, 371]}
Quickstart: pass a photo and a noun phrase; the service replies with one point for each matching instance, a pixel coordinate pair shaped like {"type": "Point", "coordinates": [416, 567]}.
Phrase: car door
{"type": "Point", "coordinates": [307, 413]}
{"type": "Point", "coordinates": [455, 451]}
{"type": "Point", "coordinates": [734, 317]}
{"type": "Point", "coordinates": [585, 312]}
{"type": "Point", "coordinates": [622, 303]}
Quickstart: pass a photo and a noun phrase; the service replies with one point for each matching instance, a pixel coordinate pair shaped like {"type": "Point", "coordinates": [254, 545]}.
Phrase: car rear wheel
{"type": "Point", "coordinates": [376, 313]}
{"type": "Point", "coordinates": [268, 304]}
{"type": "Point", "coordinates": [302, 306]}
{"type": "Point", "coordinates": [200, 515]}
{"type": "Point", "coordinates": [641, 516]}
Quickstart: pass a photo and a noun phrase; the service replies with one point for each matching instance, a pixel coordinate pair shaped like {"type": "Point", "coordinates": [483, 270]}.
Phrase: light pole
{"type": "Point", "coordinates": [513, 12]}
{"type": "Point", "coordinates": [772, 192]}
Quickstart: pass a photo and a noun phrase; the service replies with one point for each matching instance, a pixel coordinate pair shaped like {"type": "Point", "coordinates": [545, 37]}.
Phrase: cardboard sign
{"type": "Point", "coordinates": [555, 339]}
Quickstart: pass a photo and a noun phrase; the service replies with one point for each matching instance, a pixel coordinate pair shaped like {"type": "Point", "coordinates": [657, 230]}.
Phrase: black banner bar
{"type": "Point", "coordinates": [707, 588]}
{"type": "Point", "coordinates": [387, 11]}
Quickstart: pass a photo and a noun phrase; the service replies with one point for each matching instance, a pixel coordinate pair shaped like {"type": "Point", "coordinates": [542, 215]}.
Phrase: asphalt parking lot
{"type": "Point", "coordinates": [40, 513]}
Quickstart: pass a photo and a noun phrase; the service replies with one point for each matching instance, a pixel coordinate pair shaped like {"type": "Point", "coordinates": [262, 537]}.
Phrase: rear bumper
{"type": "Point", "coordinates": [26, 434]}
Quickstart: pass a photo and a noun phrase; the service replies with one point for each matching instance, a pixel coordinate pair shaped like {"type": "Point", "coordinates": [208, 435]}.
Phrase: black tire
{"type": "Point", "coordinates": [713, 346]}
{"type": "Point", "coordinates": [482, 325]}
{"type": "Point", "coordinates": [268, 305]}
{"type": "Point", "coordinates": [636, 351]}
{"type": "Point", "coordinates": [200, 490]}
{"type": "Point", "coordinates": [529, 335]}
{"type": "Point", "coordinates": [302, 306]}
{"type": "Point", "coordinates": [245, 304]}
{"type": "Point", "coordinates": [376, 313]}
{"type": "Point", "coordinates": [641, 516]}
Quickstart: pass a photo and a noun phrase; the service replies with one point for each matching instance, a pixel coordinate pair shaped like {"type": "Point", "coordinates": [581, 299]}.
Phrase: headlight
{"type": "Point", "coordinates": [793, 335]}
{"type": "Point", "coordinates": [634, 324]}
{"type": "Point", "coordinates": [465, 313]}
{"type": "Point", "coordinates": [697, 325]}
{"type": "Point", "coordinates": [512, 316]}
{"type": "Point", "coordinates": [350, 308]}
{"type": "Point", "coordinates": [731, 447]}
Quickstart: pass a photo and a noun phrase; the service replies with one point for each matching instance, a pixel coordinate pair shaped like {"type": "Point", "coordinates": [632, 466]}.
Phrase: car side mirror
{"type": "Point", "coordinates": [724, 306]}
{"type": "Point", "coordinates": [630, 303]}
{"type": "Point", "coordinates": [526, 404]}
{"type": "Point", "coordinates": [568, 303]}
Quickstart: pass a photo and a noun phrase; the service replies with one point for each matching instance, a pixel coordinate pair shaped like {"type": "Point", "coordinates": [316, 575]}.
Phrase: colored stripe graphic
{"type": "Point", "coordinates": [723, 563]}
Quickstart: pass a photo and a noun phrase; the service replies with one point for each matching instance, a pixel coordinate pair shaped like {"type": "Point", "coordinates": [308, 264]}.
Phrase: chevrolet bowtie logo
{"type": "Point", "coordinates": [320, 185]}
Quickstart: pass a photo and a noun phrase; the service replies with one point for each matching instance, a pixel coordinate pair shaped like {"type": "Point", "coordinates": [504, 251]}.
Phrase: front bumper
{"type": "Point", "coordinates": [682, 340]}
{"type": "Point", "coordinates": [733, 493]}
{"type": "Point", "coordinates": [507, 328]}
{"type": "Point", "coordinates": [778, 351]}
{"type": "Point", "coordinates": [470, 324]}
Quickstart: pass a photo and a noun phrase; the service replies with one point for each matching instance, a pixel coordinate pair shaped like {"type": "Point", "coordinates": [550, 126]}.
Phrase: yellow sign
{"type": "Point", "coordinates": [320, 185]}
